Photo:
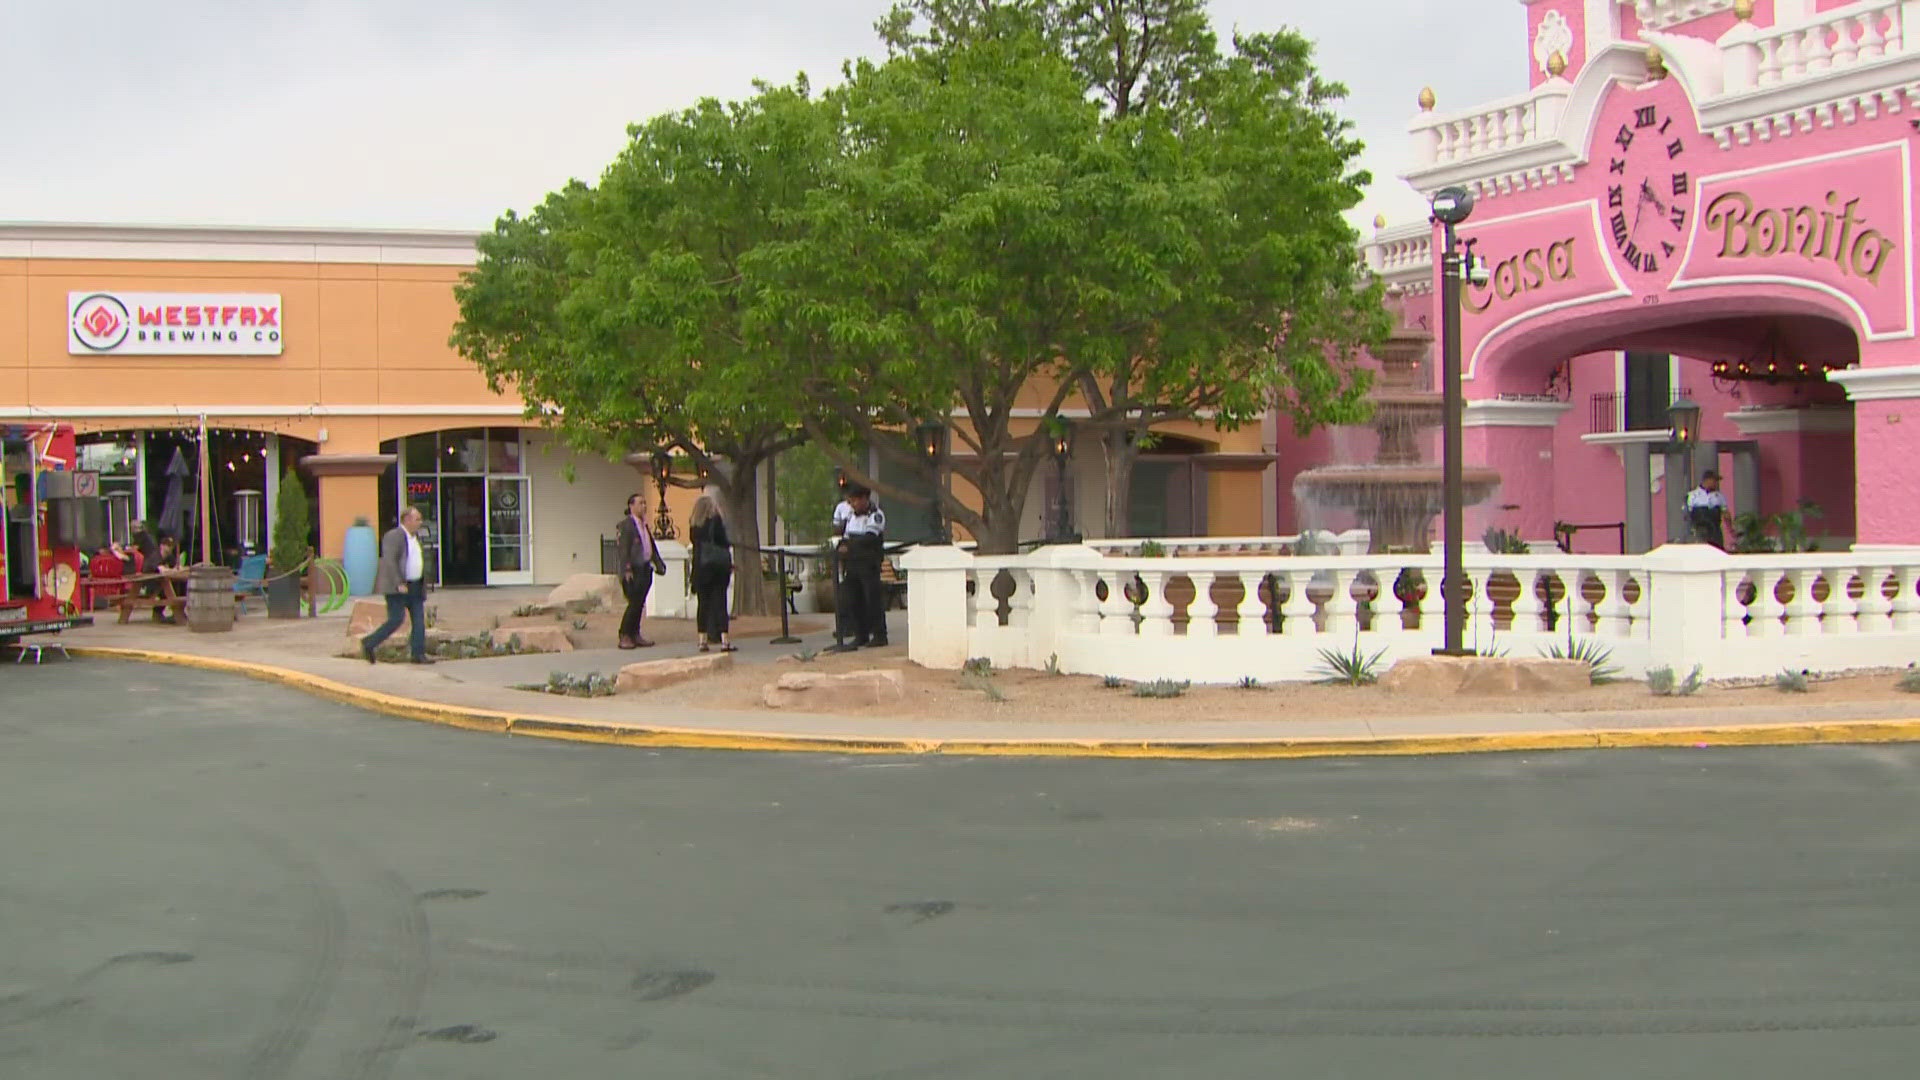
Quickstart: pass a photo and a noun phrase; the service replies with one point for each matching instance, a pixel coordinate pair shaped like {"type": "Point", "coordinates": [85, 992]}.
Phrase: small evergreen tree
{"type": "Point", "coordinates": [292, 521]}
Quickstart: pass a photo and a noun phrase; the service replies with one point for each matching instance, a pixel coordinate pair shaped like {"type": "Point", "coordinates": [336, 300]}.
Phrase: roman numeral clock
{"type": "Point", "coordinates": [1648, 191]}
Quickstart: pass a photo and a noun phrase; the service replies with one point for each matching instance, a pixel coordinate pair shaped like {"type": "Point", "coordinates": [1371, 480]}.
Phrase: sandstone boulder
{"type": "Point", "coordinates": [602, 590]}
{"type": "Point", "coordinates": [1486, 675]}
{"type": "Point", "coordinates": [367, 616]}
{"type": "Point", "coordinates": [825, 690]}
{"type": "Point", "coordinates": [654, 674]}
{"type": "Point", "coordinates": [534, 639]}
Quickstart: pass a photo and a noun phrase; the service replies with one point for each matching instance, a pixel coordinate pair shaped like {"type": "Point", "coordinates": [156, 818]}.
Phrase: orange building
{"type": "Point", "coordinates": [329, 349]}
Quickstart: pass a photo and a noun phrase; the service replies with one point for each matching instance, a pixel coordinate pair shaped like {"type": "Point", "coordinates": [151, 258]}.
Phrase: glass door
{"type": "Point", "coordinates": [507, 562]}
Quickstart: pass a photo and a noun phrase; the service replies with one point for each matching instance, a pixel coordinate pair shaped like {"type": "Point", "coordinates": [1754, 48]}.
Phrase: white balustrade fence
{"type": "Point", "coordinates": [1217, 619]}
{"type": "Point", "coordinates": [1826, 41]}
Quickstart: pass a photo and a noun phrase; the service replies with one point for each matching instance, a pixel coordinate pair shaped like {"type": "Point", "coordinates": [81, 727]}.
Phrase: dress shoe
{"type": "Point", "coordinates": [424, 660]}
{"type": "Point", "coordinates": [628, 643]}
{"type": "Point", "coordinates": [642, 643]}
{"type": "Point", "coordinates": [366, 651]}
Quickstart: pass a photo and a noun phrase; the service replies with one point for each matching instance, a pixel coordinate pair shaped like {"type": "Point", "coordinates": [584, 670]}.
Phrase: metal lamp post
{"type": "Point", "coordinates": [1683, 421]}
{"type": "Point", "coordinates": [1451, 206]}
{"type": "Point", "coordinates": [662, 521]}
{"type": "Point", "coordinates": [931, 436]}
{"type": "Point", "coordinates": [1062, 509]}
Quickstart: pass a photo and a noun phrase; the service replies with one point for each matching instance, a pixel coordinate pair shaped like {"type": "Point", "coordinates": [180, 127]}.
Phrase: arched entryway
{"type": "Point", "coordinates": [1602, 474]}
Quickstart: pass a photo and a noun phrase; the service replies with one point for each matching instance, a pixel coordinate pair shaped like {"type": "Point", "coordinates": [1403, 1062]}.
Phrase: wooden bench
{"type": "Point", "coordinates": [175, 606]}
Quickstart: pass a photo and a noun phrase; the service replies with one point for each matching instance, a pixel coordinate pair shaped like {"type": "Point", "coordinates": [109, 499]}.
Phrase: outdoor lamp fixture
{"type": "Point", "coordinates": [1683, 416]}
{"type": "Point", "coordinates": [1062, 448]}
{"type": "Point", "coordinates": [931, 437]}
{"type": "Point", "coordinates": [1452, 206]}
{"type": "Point", "coordinates": [662, 521]}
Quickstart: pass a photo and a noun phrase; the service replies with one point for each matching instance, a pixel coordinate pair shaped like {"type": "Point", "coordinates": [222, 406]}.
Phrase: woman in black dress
{"type": "Point", "coordinates": [712, 573]}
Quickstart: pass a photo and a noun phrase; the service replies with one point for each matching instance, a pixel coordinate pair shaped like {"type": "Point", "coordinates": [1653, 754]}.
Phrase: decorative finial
{"type": "Point", "coordinates": [1656, 63]}
{"type": "Point", "coordinates": [1426, 99]}
{"type": "Point", "coordinates": [1557, 64]}
{"type": "Point", "coordinates": [1743, 10]}
{"type": "Point", "coordinates": [1379, 221]}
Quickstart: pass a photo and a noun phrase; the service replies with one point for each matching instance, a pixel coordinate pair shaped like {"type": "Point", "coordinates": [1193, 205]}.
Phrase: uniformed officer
{"type": "Point", "coordinates": [861, 527]}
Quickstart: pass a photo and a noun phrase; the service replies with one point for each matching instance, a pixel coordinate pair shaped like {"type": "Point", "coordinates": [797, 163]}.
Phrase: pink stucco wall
{"type": "Point", "coordinates": [1885, 472]}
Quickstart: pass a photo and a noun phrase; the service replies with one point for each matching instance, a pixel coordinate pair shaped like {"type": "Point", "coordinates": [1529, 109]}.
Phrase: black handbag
{"type": "Point", "coordinates": [708, 555]}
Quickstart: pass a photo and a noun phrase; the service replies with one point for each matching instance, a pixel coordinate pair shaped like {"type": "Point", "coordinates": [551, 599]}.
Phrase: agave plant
{"type": "Point", "coordinates": [1598, 658]}
{"type": "Point", "coordinates": [1351, 668]}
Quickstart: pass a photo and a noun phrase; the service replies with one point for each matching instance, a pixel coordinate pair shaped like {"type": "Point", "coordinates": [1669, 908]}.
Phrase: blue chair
{"type": "Point", "coordinates": [252, 580]}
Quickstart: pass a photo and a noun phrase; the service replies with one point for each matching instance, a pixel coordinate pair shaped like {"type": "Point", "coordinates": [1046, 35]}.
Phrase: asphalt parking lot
{"type": "Point", "coordinates": [211, 877]}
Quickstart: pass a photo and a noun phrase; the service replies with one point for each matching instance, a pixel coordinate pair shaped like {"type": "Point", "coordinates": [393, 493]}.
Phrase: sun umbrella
{"type": "Point", "coordinates": [173, 508]}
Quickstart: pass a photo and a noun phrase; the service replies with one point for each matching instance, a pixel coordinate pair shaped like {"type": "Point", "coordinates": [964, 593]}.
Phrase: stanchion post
{"type": "Point", "coordinates": [786, 631]}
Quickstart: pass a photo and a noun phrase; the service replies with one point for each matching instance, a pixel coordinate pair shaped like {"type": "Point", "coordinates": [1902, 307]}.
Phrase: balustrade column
{"type": "Point", "coordinates": [1156, 615]}
{"type": "Point", "coordinates": [1527, 607]}
{"type": "Point", "coordinates": [1904, 608]}
{"type": "Point", "coordinates": [1203, 611]}
{"type": "Point", "coordinates": [1803, 611]}
{"type": "Point", "coordinates": [1839, 613]}
{"type": "Point", "coordinates": [1252, 609]}
{"type": "Point", "coordinates": [1733, 613]}
{"type": "Point", "coordinates": [1340, 608]}
{"type": "Point", "coordinates": [1116, 611]}
{"type": "Point", "coordinates": [1296, 611]}
{"type": "Point", "coordinates": [1875, 608]}
{"type": "Point", "coordinates": [1613, 611]}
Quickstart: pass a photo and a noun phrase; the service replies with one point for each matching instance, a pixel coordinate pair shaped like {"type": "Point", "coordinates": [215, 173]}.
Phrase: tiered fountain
{"type": "Point", "coordinates": [1397, 496]}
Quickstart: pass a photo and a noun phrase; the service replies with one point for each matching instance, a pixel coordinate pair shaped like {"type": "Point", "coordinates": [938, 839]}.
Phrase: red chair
{"type": "Point", "coordinates": [105, 580]}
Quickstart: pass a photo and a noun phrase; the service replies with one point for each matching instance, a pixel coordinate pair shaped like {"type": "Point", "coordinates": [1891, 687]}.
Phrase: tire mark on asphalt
{"type": "Point", "coordinates": [323, 926]}
{"type": "Point", "coordinates": [407, 949]}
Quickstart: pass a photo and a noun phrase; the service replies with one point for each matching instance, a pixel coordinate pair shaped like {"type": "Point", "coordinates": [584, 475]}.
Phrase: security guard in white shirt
{"type": "Point", "coordinates": [862, 529]}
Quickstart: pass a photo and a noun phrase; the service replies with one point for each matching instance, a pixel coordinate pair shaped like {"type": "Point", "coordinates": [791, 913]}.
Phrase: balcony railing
{"type": "Point", "coordinates": [1611, 412]}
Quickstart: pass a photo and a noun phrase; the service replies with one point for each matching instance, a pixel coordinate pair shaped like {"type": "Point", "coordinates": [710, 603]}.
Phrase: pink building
{"type": "Point", "coordinates": [1712, 198]}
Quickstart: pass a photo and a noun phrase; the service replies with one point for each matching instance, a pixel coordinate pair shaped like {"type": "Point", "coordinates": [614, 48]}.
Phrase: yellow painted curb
{"type": "Point", "coordinates": [569, 729]}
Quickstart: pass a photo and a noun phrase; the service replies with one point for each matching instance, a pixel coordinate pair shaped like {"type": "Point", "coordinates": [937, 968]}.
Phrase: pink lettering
{"type": "Point", "coordinates": [226, 315]}
{"type": "Point", "coordinates": [173, 316]}
{"type": "Point", "coordinates": [150, 316]}
{"type": "Point", "coordinates": [269, 316]}
{"type": "Point", "coordinates": [248, 316]}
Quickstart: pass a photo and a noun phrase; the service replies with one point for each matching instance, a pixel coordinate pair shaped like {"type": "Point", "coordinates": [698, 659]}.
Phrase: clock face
{"type": "Point", "coordinates": [1648, 192]}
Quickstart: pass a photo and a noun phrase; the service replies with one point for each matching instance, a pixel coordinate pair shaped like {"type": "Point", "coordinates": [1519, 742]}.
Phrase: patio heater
{"type": "Point", "coordinates": [248, 513]}
{"type": "Point", "coordinates": [931, 436]}
{"type": "Point", "coordinates": [662, 471]}
{"type": "Point", "coordinates": [1451, 206]}
{"type": "Point", "coordinates": [1062, 449]}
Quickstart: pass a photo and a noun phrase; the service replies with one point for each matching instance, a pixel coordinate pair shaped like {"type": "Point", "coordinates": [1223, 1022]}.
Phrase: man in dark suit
{"type": "Point", "coordinates": [639, 559]}
{"type": "Point", "coordinates": [401, 576]}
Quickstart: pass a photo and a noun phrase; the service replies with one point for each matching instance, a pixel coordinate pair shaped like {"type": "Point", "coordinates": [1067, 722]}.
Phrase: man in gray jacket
{"type": "Point", "coordinates": [402, 578]}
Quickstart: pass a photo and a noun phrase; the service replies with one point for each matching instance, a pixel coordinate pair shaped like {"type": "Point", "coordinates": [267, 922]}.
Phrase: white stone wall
{"type": "Point", "coordinates": [569, 517]}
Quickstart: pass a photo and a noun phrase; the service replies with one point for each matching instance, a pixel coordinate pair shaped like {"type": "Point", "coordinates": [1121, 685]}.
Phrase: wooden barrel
{"type": "Point", "coordinates": [210, 599]}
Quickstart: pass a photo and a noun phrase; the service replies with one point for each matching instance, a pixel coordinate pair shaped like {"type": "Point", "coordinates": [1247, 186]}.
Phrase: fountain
{"type": "Point", "coordinates": [1397, 496]}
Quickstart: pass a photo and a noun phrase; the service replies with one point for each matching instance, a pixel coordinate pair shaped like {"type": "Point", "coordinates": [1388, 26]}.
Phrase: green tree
{"type": "Point", "coordinates": [617, 310]}
{"type": "Point", "coordinates": [995, 225]}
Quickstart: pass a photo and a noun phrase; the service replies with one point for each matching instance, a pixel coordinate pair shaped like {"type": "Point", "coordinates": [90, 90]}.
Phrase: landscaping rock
{"type": "Point", "coordinates": [870, 687]}
{"type": "Point", "coordinates": [534, 639]}
{"type": "Point", "coordinates": [1486, 675]}
{"type": "Point", "coordinates": [367, 617]}
{"type": "Point", "coordinates": [602, 589]}
{"type": "Point", "coordinates": [654, 674]}
{"type": "Point", "coordinates": [350, 648]}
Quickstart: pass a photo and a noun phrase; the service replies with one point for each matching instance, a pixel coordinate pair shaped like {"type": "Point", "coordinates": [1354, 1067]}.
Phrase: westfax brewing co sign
{"type": "Point", "coordinates": [173, 324]}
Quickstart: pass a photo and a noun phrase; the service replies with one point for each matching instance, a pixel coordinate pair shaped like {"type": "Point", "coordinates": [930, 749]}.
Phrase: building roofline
{"type": "Point", "coordinates": [245, 234]}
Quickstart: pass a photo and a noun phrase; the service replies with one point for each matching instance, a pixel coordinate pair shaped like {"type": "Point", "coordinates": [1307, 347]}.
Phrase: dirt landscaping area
{"type": "Point", "coordinates": [949, 695]}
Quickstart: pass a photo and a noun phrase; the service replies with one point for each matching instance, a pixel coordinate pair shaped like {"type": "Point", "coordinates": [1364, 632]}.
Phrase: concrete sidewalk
{"type": "Point", "coordinates": [478, 694]}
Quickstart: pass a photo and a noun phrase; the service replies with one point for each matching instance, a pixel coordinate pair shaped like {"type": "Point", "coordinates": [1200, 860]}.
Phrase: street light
{"type": "Point", "coordinates": [1451, 206]}
{"type": "Point", "coordinates": [662, 520]}
{"type": "Point", "coordinates": [1683, 421]}
{"type": "Point", "coordinates": [1062, 509]}
{"type": "Point", "coordinates": [931, 436]}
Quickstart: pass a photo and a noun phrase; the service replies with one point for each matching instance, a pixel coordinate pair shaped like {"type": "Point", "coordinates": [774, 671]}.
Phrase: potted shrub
{"type": "Point", "coordinates": [292, 521]}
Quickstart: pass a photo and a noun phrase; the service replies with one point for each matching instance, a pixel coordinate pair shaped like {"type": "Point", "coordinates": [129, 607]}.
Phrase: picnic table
{"type": "Point", "coordinates": [171, 598]}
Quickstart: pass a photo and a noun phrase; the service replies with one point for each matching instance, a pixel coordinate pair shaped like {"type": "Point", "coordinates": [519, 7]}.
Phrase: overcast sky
{"type": "Point", "coordinates": [443, 113]}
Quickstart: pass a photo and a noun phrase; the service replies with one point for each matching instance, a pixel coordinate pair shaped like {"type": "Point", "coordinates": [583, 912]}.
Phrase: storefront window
{"type": "Point", "coordinates": [420, 454]}
{"type": "Point", "coordinates": [503, 450]}
{"type": "Point", "coordinates": [463, 451]}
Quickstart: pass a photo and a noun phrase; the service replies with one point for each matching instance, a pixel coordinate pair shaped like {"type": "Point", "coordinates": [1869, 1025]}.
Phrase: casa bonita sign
{"type": "Point", "coordinates": [173, 324]}
{"type": "Point", "coordinates": [1838, 225]}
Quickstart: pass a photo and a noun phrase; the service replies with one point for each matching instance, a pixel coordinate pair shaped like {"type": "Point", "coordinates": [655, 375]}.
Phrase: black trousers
{"type": "Point", "coordinates": [864, 601]}
{"type": "Point", "coordinates": [636, 584]}
{"type": "Point", "coordinates": [710, 592]}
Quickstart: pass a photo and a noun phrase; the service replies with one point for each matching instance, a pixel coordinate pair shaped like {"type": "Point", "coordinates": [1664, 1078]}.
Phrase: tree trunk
{"type": "Point", "coordinates": [740, 503]}
{"type": "Point", "coordinates": [1121, 452]}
